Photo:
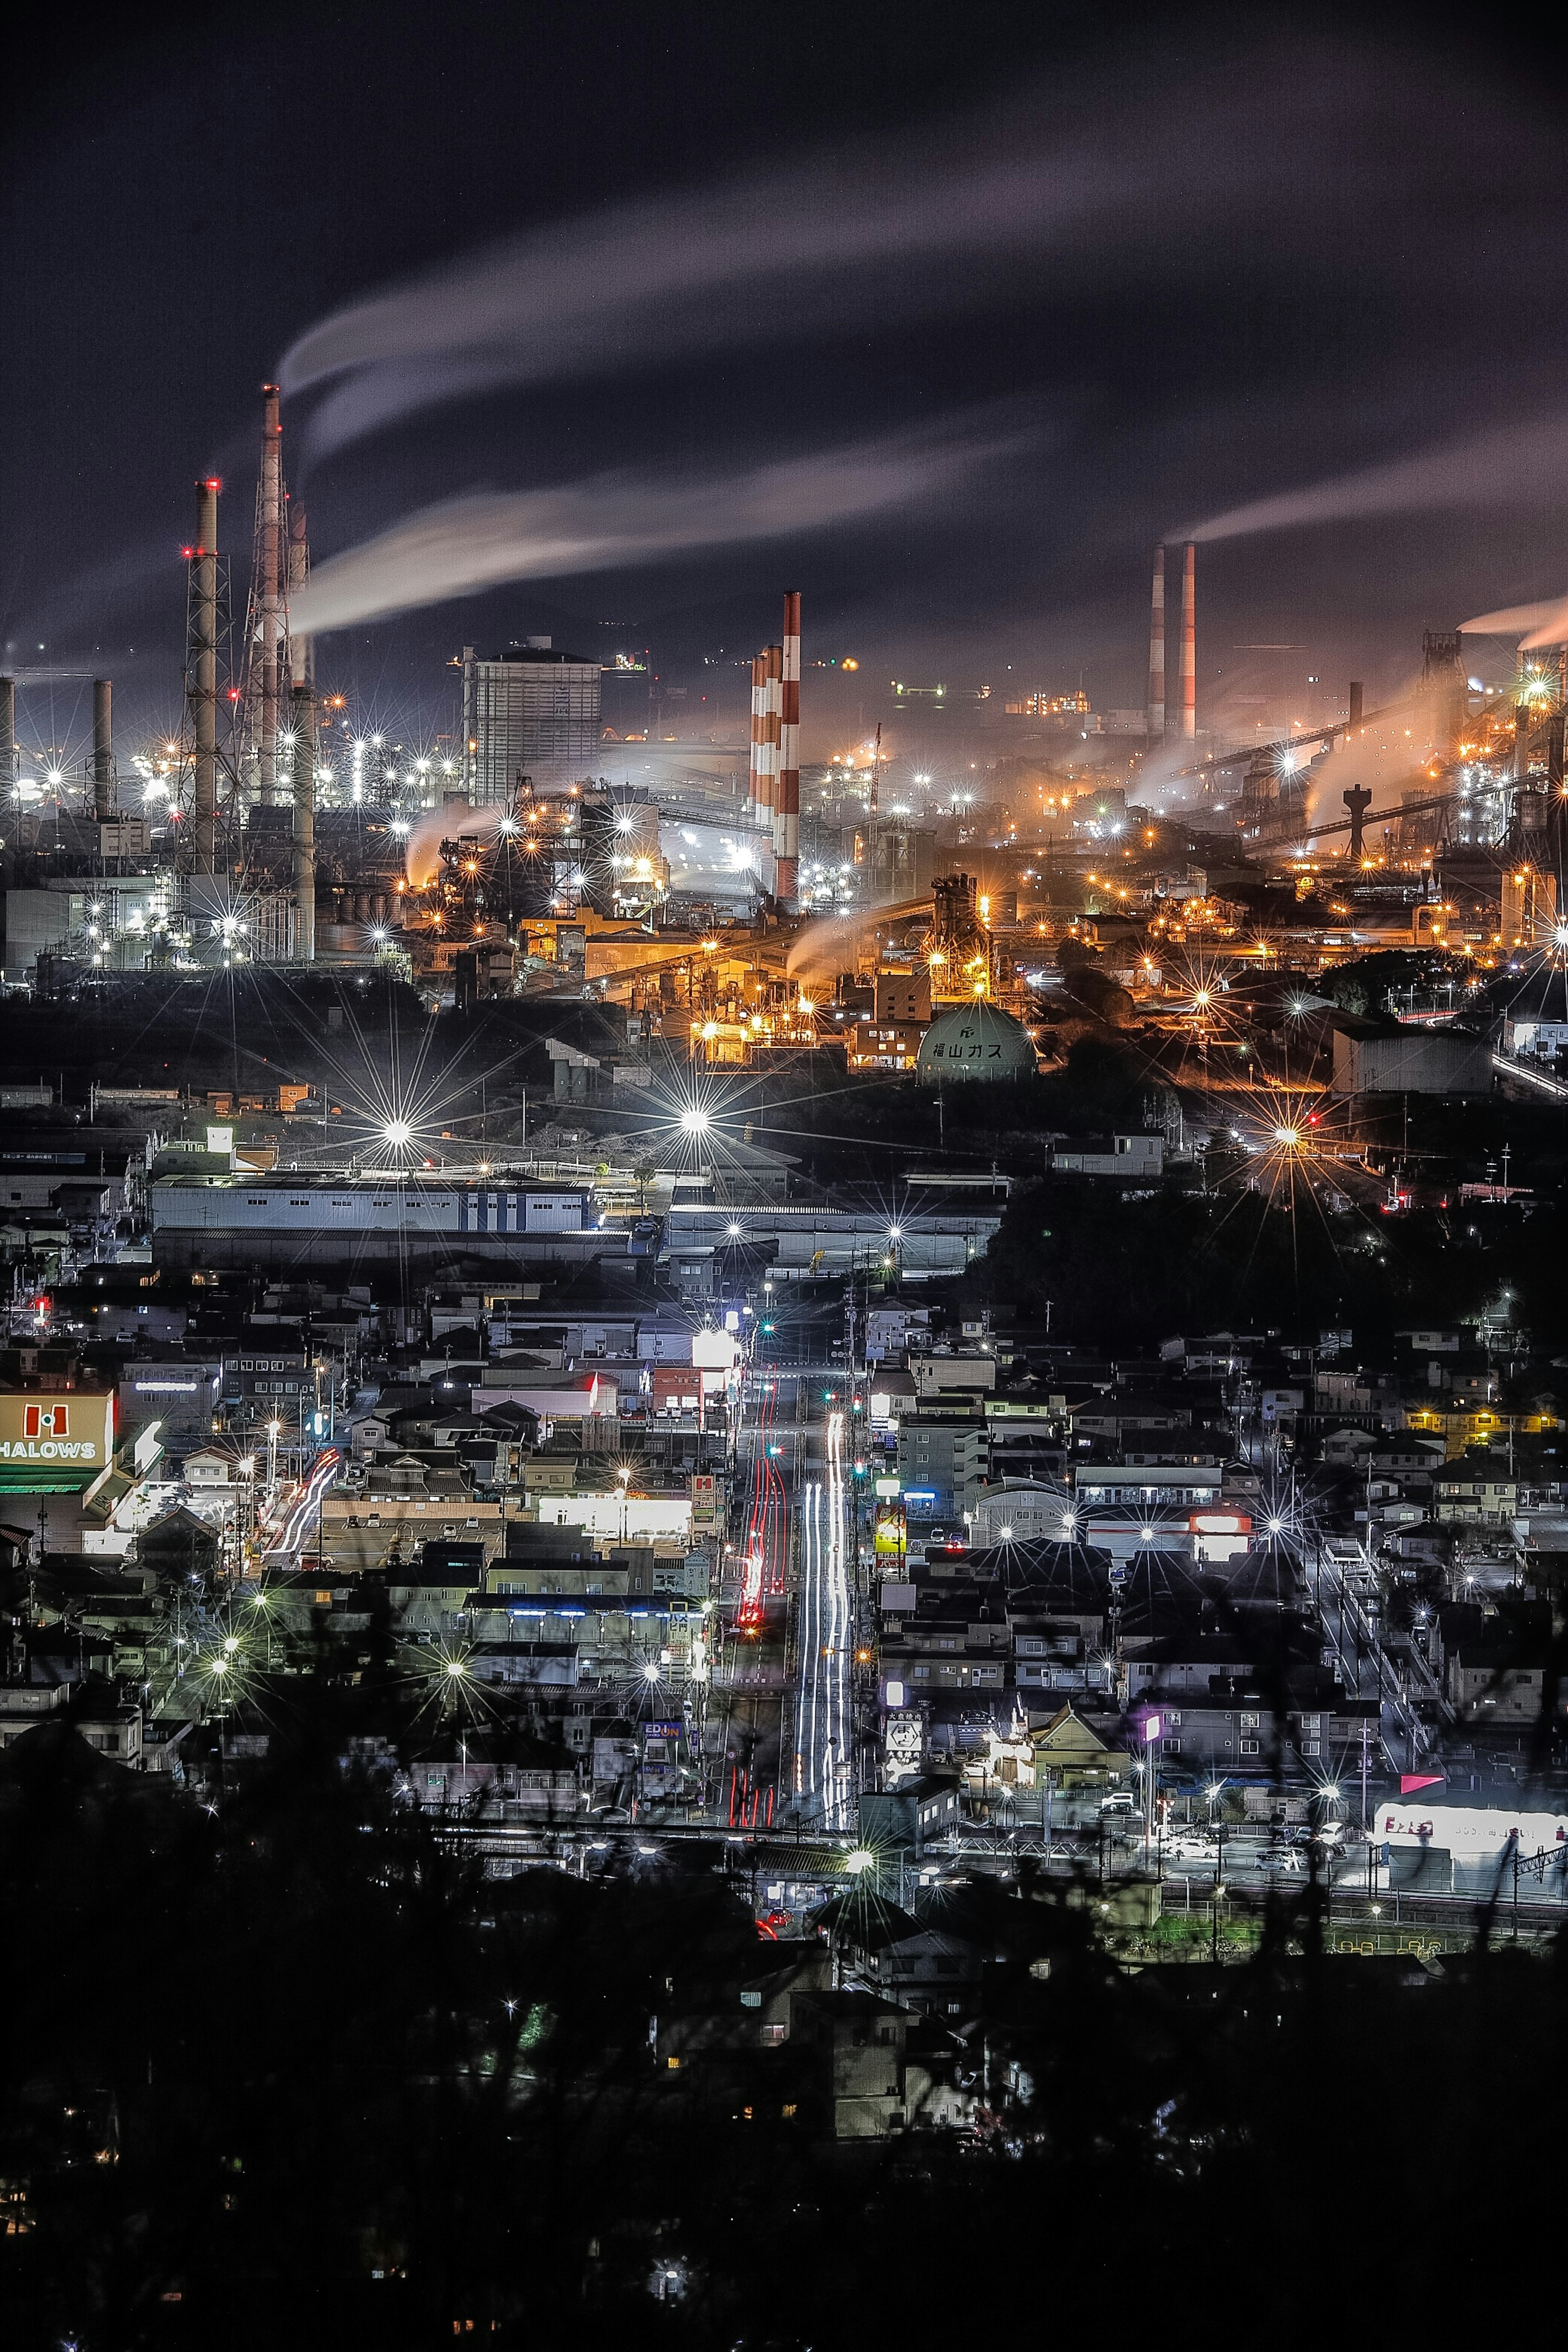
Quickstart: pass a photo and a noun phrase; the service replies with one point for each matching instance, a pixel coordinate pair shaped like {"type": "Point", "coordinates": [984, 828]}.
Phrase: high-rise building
{"type": "Point", "coordinates": [529, 711]}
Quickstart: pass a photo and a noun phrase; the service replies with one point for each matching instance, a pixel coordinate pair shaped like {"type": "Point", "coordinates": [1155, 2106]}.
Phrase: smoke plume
{"type": "Point", "coordinates": [1523, 464]}
{"type": "Point", "coordinates": [422, 855]}
{"type": "Point", "coordinates": [467, 544]}
{"type": "Point", "coordinates": [728, 267]}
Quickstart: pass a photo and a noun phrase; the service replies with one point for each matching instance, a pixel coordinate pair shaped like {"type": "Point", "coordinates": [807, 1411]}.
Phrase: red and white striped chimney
{"type": "Point", "coordinates": [1189, 642]}
{"type": "Point", "coordinates": [753, 782]}
{"type": "Point", "coordinates": [787, 814]}
{"type": "Point", "coordinates": [768, 773]}
{"type": "Point", "coordinates": [1157, 651]}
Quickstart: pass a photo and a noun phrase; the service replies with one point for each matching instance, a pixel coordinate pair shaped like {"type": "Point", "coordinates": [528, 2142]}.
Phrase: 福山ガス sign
{"type": "Point", "coordinates": [51, 1441]}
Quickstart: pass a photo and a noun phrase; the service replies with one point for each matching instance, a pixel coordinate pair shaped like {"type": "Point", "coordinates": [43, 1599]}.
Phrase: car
{"type": "Point", "coordinates": [1191, 1845]}
{"type": "Point", "coordinates": [1121, 1802]}
{"type": "Point", "coordinates": [1287, 1858]}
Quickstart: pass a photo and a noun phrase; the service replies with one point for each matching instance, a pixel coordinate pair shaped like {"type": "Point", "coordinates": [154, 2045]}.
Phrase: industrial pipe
{"type": "Point", "coordinates": [753, 775]}
{"type": "Point", "coordinates": [768, 766]}
{"type": "Point", "coordinates": [102, 750]}
{"type": "Point", "coordinates": [787, 817]}
{"type": "Point", "coordinates": [304, 702]}
{"type": "Point", "coordinates": [201, 684]}
{"type": "Point", "coordinates": [269, 590]}
{"type": "Point", "coordinates": [1157, 651]}
{"type": "Point", "coordinates": [1189, 642]}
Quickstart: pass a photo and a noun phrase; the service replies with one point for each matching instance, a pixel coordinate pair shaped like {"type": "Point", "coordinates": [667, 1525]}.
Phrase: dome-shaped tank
{"type": "Point", "coordinates": [975, 1040]}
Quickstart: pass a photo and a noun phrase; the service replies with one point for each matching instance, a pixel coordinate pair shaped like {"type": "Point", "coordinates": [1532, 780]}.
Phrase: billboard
{"type": "Point", "coordinates": [53, 1444]}
{"type": "Point", "coordinates": [903, 1742]}
{"type": "Point", "coordinates": [1467, 1831]}
{"type": "Point", "coordinates": [892, 1538]}
{"type": "Point", "coordinates": [706, 1500]}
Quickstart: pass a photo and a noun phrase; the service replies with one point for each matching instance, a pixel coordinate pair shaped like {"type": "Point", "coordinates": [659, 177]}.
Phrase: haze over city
{"type": "Point", "coordinates": [783, 1111]}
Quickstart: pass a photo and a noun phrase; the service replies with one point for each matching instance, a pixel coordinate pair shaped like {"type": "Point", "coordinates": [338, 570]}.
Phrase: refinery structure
{"type": "Point", "coordinates": [733, 900]}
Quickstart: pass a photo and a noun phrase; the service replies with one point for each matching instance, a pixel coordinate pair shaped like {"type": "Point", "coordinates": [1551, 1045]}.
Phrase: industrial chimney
{"type": "Point", "coordinates": [768, 763]}
{"type": "Point", "coordinates": [299, 573]}
{"type": "Point", "coordinates": [1189, 643]}
{"type": "Point", "coordinates": [787, 818]}
{"type": "Point", "coordinates": [200, 673]}
{"type": "Point", "coordinates": [304, 716]}
{"type": "Point", "coordinates": [102, 750]}
{"type": "Point", "coordinates": [754, 776]}
{"type": "Point", "coordinates": [8, 733]}
{"type": "Point", "coordinates": [1157, 651]}
{"type": "Point", "coordinates": [269, 530]}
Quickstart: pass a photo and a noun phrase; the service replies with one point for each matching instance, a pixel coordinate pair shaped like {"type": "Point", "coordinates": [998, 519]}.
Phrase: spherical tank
{"type": "Point", "coordinates": [975, 1040]}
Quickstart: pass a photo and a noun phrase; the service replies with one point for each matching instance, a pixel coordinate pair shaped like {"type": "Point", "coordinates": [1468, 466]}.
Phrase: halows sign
{"type": "Point", "coordinates": [51, 1441]}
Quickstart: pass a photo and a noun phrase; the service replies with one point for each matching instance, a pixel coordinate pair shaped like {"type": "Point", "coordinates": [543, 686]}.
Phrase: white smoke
{"type": "Point", "coordinates": [1523, 464]}
{"type": "Point", "coordinates": [723, 267]}
{"type": "Point", "coordinates": [422, 857]}
{"type": "Point", "coordinates": [471, 543]}
{"type": "Point", "coordinates": [1533, 625]}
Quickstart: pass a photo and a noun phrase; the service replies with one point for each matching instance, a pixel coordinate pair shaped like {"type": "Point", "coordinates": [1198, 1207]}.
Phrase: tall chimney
{"type": "Point", "coordinates": [298, 571]}
{"type": "Point", "coordinates": [8, 733]}
{"type": "Point", "coordinates": [768, 764]}
{"type": "Point", "coordinates": [1157, 651]}
{"type": "Point", "coordinates": [304, 702]}
{"type": "Point", "coordinates": [1357, 693]}
{"type": "Point", "coordinates": [754, 777]}
{"type": "Point", "coordinates": [102, 750]}
{"type": "Point", "coordinates": [787, 817]}
{"type": "Point", "coordinates": [1189, 642]}
{"type": "Point", "coordinates": [201, 678]}
{"type": "Point", "coordinates": [269, 653]}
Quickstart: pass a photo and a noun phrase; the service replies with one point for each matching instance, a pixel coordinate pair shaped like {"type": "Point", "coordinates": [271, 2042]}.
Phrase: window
{"type": "Point", "coordinates": [1249, 1723]}
{"type": "Point", "coordinates": [1249, 1747]}
{"type": "Point", "coordinates": [1171, 1747]}
{"type": "Point", "coordinates": [1310, 1747]}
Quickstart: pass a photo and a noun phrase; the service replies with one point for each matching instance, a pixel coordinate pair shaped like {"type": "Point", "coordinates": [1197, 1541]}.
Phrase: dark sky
{"type": "Point", "coordinates": [1299, 242]}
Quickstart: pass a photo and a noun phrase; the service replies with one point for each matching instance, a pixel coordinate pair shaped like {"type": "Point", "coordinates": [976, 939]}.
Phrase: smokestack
{"type": "Point", "coordinates": [1356, 694]}
{"type": "Point", "coordinates": [201, 680]}
{"type": "Point", "coordinates": [1189, 643]}
{"type": "Point", "coordinates": [754, 782]}
{"type": "Point", "coordinates": [304, 702]}
{"type": "Point", "coordinates": [299, 573]}
{"type": "Point", "coordinates": [269, 652]}
{"type": "Point", "coordinates": [786, 816]}
{"type": "Point", "coordinates": [768, 763]}
{"type": "Point", "coordinates": [1157, 651]}
{"type": "Point", "coordinates": [8, 733]}
{"type": "Point", "coordinates": [102, 750]}
{"type": "Point", "coordinates": [1523, 729]}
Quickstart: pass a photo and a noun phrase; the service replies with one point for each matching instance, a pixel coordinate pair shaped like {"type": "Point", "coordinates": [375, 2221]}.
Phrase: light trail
{"type": "Point", "coordinates": [822, 1757]}
{"type": "Point", "coordinates": [291, 1541]}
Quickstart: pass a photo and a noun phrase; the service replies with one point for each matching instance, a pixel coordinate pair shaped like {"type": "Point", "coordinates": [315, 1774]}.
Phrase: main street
{"type": "Point", "coordinates": [824, 1604]}
{"type": "Point", "coordinates": [787, 1669]}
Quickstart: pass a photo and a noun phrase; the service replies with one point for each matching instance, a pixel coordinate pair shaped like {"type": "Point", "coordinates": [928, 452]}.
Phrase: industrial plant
{"type": "Point", "coordinates": [783, 1399]}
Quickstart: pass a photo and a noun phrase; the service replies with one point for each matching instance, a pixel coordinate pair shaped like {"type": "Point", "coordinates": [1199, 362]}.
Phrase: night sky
{"type": "Point", "coordinates": [1246, 254]}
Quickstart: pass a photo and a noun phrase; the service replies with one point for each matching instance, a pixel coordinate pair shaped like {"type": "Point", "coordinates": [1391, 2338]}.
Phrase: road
{"type": "Point", "coordinates": [824, 1637]}
{"type": "Point", "coordinates": [285, 1539]}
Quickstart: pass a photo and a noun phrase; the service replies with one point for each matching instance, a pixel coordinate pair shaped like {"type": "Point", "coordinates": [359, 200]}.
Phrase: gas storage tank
{"type": "Point", "coordinates": [975, 1040]}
